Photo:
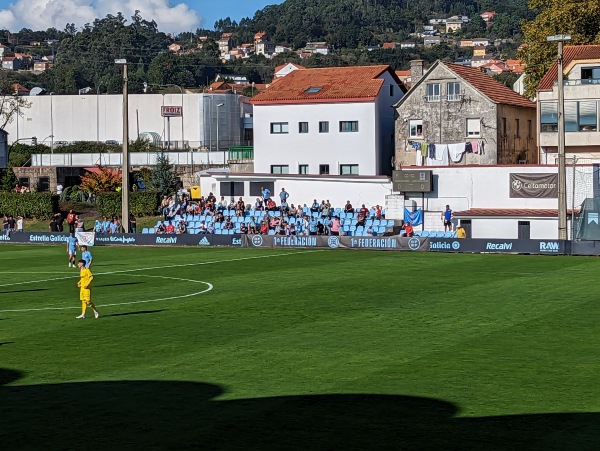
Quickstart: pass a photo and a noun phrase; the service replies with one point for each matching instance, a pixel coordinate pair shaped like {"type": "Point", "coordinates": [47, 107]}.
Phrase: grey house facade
{"type": "Point", "coordinates": [453, 104]}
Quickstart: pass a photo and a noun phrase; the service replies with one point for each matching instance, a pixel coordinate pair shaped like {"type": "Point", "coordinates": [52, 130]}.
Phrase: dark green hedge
{"type": "Point", "coordinates": [29, 205]}
{"type": "Point", "coordinates": [140, 203]}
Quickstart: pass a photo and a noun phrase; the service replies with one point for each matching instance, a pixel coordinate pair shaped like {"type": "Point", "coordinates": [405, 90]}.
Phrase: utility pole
{"type": "Point", "coordinates": [125, 162]}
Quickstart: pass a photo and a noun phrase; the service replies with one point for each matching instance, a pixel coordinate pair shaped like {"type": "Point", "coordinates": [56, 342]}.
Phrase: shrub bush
{"type": "Point", "coordinates": [29, 205]}
{"type": "Point", "coordinates": [143, 203]}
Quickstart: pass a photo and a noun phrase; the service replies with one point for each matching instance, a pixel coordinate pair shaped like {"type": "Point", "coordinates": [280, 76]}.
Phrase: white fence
{"type": "Point", "coordinates": [135, 159]}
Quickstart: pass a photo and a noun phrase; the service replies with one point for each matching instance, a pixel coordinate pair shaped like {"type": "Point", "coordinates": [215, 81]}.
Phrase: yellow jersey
{"type": "Point", "coordinates": [85, 279]}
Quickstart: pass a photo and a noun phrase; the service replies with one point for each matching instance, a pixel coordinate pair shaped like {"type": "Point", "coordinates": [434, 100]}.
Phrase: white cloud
{"type": "Point", "coordinates": [43, 14]}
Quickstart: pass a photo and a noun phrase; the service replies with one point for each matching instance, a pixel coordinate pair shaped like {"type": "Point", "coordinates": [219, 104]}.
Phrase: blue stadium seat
{"type": "Point", "coordinates": [145, 230]}
{"type": "Point", "coordinates": [390, 223]}
{"type": "Point", "coordinates": [417, 233]}
{"type": "Point", "coordinates": [218, 232]}
{"type": "Point", "coordinates": [381, 230]}
{"type": "Point", "coordinates": [376, 223]}
{"type": "Point", "coordinates": [448, 234]}
{"type": "Point", "coordinates": [271, 232]}
{"type": "Point", "coordinates": [425, 233]}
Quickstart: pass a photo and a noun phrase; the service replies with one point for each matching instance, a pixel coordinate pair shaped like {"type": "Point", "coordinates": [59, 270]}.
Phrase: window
{"type": "Point", "coordinates": [589, 74]}
{"type": "Point", "coordinates": [302, 127]}
{"type": "Point", "coordinates": [549, 116]}
{"type": "Point", "coordinates": [529, 129]}
{"type": "Point", "coordinates": [348, 169]}
{"type": "Point", "coordinates": [517, 128]}
{"type": "Point", "coordinates": [415, 128]}
{"type": "Point", "coordinates": [324, 169]}
{"type": "Point", "coordinates": [474, 127]}
{"type": "Point", "coordinates": [503, 126]}
{"type": "Point", "coordinates": [391, 90]}
{"type": "Point", "coordinates": [231, 189]}
{"type": "Point", "coordinates": [44, 184]}
{"type": "Point", "coordinates": [255, 188]}
{"type": "Point", "coordinates": [280, 169]}
{"type": "Point", "coordinates": [313, 90]}
{"type": "Point", "coordinates": [279, 128]}
{"type": "Point", "coordinates": [580, 116]}
{"type": "Point", "coordinates": [348, 126]}
{"type": "Point", "coordinates": [324, 127]}
{"type": "Point", "coordinates": [433, 92]}
{"type": "Point", "coordinates": [454, 91]}
{"type": "Point", "coordinates": [24, 181]}
{"type": "Point", "coordinates": [302, 169]}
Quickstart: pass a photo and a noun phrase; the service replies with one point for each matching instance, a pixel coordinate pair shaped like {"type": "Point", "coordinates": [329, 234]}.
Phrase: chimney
{"type": "Point", "coordinates": [416, 71]}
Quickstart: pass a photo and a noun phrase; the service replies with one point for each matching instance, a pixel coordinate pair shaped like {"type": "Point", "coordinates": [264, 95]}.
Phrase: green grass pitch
{"type": "Point", "coordinates": [299, 349]}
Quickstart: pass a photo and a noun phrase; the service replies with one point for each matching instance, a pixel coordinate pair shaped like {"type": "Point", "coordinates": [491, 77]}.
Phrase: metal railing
{"type": "Point", "coordinates": [241, 153]}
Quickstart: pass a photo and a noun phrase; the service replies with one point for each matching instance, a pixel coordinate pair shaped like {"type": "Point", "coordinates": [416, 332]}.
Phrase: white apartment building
{"type": "Point", "coordinates": [327, 121]}
{"type": "Point", "coordinates": [581, 66]}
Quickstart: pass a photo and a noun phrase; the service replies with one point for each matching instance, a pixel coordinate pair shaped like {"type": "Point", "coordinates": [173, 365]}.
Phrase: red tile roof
{"type": "Point", "coordinates": [338, 84]}
{"type": "Point", "coordinates": [509, 212]}
{"type": "Point", "coordinates": [570, 53]}
{"type": "Point", "coordinates": [492, 89]}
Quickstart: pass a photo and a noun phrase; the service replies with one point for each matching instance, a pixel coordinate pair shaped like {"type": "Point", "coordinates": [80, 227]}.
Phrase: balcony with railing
{"type": "Point", "coordinates": [241, 153]}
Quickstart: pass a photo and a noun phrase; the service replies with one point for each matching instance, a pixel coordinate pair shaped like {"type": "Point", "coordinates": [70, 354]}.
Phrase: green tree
{"type": "Point", "coordinates": [579, 19]}
{"type": "Point", "coordinates": [163, 177]}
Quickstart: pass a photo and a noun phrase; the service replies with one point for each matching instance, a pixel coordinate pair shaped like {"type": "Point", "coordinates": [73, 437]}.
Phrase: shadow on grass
{"type": "Point", "coordinates": [23, 291]}
{"type": "Point", "coordinates": [121, 284]}
{"type": "Point", "coordinates": [153, 415]}
{"type": "Point", "coordinates": [141, 312]}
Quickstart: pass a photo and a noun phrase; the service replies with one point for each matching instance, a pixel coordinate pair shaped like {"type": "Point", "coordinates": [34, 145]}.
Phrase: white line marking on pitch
{"type": "Point", "coordinates": [141, 269]}
{"type": "Point", "coordinates": [209, 287]}
{"type": "Point", "coordinates": [151, 268]}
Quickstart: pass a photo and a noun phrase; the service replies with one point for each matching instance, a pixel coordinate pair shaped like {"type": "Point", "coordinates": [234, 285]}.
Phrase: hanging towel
{"type": "Point", "coordinates": [468, 147]}
{"type": "Point", "coordinates": [419, 160]}
{"type": "Point", "coordinates": [475, 146]}
{"type": "Point", "coordinates": [441, 150]}
{"type": "Point", "coordinates": [481, 146]}
{"type": "Point", "coordinates": [456, 151]}
{"type": "Point", "coordinates": [431, 151]}
{"type": "Point", "coordinates": [424, 149]}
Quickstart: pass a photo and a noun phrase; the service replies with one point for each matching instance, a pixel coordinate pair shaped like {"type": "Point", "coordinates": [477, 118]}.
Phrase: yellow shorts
{"type": "Point", "coordinates": [85, 294]}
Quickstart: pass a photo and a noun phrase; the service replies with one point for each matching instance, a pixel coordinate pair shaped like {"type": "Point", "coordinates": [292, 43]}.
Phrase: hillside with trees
{"type": "Point", "coordinates": [84, 57]}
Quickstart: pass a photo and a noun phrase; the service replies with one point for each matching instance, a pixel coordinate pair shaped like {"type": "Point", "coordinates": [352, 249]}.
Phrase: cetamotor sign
{"type": "Point", "coordinates": [533, 185]}
{"type": "Point", "coordinates": [171, 111]}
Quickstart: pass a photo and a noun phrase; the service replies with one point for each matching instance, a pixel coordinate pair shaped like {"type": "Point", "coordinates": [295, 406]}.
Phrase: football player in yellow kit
{"type": "Point", "coordinates": [85, 292]}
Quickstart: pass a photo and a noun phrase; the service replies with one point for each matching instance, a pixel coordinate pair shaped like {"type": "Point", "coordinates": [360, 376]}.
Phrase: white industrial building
{"type": "Point", "coordinates": [58, 119]}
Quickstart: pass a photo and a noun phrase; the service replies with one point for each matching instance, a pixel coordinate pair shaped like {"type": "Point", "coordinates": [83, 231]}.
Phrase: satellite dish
{"type": "Point", "coordinates": [37, 91]}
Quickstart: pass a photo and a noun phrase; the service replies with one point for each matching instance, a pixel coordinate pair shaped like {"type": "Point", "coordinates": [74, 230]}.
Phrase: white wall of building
{"type": "Point", "coordinates": [370, 191]}
{"type": "Point", "coordinates": [462, 188]}
{"type": "Point", "coordinates": [314, 148]}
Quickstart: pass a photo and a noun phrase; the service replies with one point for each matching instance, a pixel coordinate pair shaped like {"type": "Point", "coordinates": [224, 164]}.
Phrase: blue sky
{"type": "Point", "coordinates": [172, 16]}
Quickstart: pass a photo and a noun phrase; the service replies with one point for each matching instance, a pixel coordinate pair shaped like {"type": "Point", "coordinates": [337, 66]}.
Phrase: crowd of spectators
{"type": "Point", "coordinates": [11, 224]}
{"type": "Point", "coordinates": [267, 216]}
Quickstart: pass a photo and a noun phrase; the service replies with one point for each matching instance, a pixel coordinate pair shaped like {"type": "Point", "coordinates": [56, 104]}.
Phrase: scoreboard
{"type": "Point", "coordinates": [412, 181]}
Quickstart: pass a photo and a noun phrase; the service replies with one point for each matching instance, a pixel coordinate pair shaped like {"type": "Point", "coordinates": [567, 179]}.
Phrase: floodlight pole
{"type": "Point", "coordinates": [125, 163]}
{"type": "Point", "coordinates": [562, 176]}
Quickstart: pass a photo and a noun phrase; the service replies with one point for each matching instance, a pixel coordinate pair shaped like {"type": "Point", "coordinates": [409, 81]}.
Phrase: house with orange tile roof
{"type": "Point", "coordinates": [451, 105]}
{"type": "Point", "coordinates": [581, 71]}
{"type": "Point", "coordinates": [327, 121]}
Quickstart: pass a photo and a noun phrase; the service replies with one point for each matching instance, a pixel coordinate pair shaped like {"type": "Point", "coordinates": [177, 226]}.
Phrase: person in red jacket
{"type": "Point", "coordinates": [408, 230]}
{"type": "Point", "coordinates": [71, 218]}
